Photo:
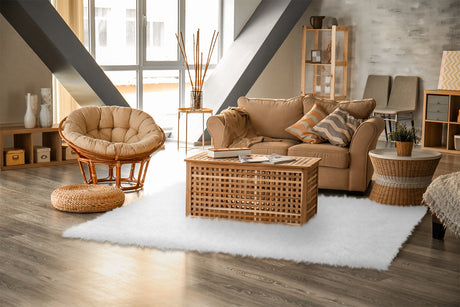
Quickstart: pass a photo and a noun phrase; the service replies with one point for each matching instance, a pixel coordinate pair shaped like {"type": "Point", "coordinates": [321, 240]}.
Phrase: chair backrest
{"type": "Point", "coordinates": [378, 87]}
{"type": "Point", "coordinates": [404, 93]}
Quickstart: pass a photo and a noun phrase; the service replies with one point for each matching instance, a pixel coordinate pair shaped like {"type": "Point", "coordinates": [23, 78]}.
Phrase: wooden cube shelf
{"type": "Point", "coordinates": [23, 139]}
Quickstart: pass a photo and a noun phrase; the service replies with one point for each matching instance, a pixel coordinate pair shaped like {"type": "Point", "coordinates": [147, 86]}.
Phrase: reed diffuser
{"type": "Point", "coordinates": [196, 95]}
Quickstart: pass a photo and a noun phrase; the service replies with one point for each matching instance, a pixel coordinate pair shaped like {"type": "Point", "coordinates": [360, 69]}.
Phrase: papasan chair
{"type": "Point", "coordinates": [113, 136]}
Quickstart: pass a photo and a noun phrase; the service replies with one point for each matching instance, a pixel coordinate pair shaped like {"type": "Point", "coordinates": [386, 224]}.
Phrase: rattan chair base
{"type": "Point", "coordinates": [86, 198]}
{"type": "Point", "coordinates": [396, 196]}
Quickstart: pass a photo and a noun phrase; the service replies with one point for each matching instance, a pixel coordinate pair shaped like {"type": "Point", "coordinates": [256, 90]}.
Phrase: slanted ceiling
{"type": "Point", "coordinates": [43, 29]}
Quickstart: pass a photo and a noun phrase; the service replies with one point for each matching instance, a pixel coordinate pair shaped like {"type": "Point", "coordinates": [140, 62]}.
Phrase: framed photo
{"type": "Point", "coordinates": [316, 56]}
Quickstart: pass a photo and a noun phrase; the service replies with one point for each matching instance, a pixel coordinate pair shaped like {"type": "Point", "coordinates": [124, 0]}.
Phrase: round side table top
{"type": "Point", "coordinates": [417, 154]}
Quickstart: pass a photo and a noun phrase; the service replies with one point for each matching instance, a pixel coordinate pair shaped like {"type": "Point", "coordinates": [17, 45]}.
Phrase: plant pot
{"type": "Point", "coordinates": [404, 148]}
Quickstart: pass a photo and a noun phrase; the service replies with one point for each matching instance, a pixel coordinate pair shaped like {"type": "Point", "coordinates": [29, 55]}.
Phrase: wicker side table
{"type": "Point", "coordinates": [402, 180]}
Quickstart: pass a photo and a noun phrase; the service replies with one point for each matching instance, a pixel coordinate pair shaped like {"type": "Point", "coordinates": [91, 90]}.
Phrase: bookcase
{"type": "Point", "coordinates": [441, 120]}
{"type": "Point", "coordinates": [24, 139]}
{"type": "Point", "coordinates": [327, 78]}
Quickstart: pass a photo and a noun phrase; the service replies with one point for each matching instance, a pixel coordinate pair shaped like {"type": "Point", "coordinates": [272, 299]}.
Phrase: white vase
{"type": "Point", "coordinates": [29, 117]}
{"type": "Point", "coordinates": [46, 117]}
{"type": "Point", "coordinates": [47, 97]}
{"type": "Point", "coordinates": [35, 105]}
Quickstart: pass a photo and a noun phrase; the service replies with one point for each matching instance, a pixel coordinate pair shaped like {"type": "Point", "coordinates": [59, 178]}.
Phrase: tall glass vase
{"type": "Point", "coordinates": [196, 100]}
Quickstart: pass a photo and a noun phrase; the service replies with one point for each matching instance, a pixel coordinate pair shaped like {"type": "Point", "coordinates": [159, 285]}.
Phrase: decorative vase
{"type": "Point", "coordinates": [46, 117]}
{"type": "Point", "coordinates": [404, 148]}
{"type": "Point", "coordinates": [47, 98]}
{"type": "Point", "coordinates": [196, 100]}
{"type": "Point", "coordinates": [316, 21]}
{"type": "Point", "coordinates": [35, 105]}
{"type": "Point", "coordinates": [29, 118]}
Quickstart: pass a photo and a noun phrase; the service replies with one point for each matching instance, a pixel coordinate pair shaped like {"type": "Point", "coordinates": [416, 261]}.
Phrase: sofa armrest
{"type": "Point", "coordinates": [364, 140]}
{"type": "Point", "coordinates": [216, 128]}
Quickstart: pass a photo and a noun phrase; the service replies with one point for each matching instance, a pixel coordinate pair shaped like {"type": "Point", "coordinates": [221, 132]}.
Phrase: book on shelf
{"type": "Point", "coordinates": [227, 152]}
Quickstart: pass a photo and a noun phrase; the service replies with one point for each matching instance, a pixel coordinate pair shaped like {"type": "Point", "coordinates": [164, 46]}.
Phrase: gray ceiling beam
{"type": "Point", "coordinates": [43, 29]}
{"type": "Point", "coordinates": [250, 53]}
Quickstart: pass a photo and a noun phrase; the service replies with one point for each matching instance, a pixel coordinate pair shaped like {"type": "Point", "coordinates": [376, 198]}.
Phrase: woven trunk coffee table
{"type": "Point", "coordinates": [254, 192]}
{"type": "Point", "coordinates": [402, 180]}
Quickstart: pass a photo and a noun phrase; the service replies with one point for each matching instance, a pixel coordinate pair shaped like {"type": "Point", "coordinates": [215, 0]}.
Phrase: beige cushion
{"type": "Point", "coordinates": [112, 131]}
{"type": "Point", "coordinates": [303, 128]}
{"type": "Point", "coordinates": [331, 156]}
{"type": "Point", "coordinates": [361, 109]}
{"type": "Point", "coordinates": [338, 127]}
{"type": "Point", "coordinates": [270, 117]}
{"type": "Point", "coordinates": [267, 148]}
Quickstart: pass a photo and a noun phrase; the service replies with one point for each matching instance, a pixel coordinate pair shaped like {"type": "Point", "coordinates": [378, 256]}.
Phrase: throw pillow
{"type": "Point", "coordinates": [338, 127]}
{"type": "Point", "coordinates": [302, 129]}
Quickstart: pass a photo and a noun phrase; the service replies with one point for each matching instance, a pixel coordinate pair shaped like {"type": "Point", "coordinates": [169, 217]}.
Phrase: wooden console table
{"type": "Point", "coordinates": [23, 138]}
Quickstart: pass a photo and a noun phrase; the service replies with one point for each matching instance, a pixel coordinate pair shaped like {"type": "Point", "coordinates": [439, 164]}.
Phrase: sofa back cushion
{"type": "Point", "coordinates": [270, 117]}
{"type": "Point", "coordinates": [360, 109]}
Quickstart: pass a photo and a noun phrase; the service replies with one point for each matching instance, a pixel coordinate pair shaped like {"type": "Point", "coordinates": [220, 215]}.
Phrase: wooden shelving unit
{"type": "Point", "coordinates": [23, 138]}
{"type": "Point", "coordinates": [324, 73]}
{"type": "Point", "coordinates": [440, 122]}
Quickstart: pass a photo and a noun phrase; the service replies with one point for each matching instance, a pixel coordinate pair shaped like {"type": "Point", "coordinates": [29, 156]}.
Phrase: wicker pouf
{"type": "Point", "coordinates": [84, 198]}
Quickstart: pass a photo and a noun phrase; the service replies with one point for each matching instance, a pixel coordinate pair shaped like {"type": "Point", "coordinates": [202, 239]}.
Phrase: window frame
{"type": "Point", "coordinates": [141, 45]}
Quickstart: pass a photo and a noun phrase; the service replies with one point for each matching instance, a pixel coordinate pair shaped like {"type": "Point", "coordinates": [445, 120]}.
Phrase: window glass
{"type": "Point", "coordinates": [161, 96]}
{"type": "Point", "coordinates": [203, 15]}
{"type": "Point", "coordinates": [115, 20]}
{"type": "Point", "coordinates": [125, 82]}
{"type": "Point", "coordinates": [160, 29]}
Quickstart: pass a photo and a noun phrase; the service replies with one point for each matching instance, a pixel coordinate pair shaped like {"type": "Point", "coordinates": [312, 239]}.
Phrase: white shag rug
{"type": "Point", "coordinates": [346, 231]}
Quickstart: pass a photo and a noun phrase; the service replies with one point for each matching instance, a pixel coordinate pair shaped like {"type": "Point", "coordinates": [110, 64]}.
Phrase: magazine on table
{"type": "Point", "coordinates": [271, 159]}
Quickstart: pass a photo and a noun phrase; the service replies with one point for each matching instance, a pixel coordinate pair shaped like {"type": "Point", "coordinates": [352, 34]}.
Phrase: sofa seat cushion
{"type": "Point", "coordinates": [269, 147]}
{"type": "Point", "coordinates": [331, 156]}
{"type": "Point", "coordinates": [270, 117]}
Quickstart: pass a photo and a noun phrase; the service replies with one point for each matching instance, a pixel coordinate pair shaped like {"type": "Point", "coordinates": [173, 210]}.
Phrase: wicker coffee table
{"type": "Point", "coordinates": [402, 180]}
{"type": "Point", "coordinates": [255, 192]}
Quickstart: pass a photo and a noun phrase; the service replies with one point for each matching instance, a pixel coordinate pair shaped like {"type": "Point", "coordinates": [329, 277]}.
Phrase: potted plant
{"type": "Point", "coordinates": [404, 138]}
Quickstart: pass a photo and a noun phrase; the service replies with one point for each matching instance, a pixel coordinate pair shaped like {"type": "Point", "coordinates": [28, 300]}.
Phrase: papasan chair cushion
{"type": "Point", "coordinates": [116, 132]}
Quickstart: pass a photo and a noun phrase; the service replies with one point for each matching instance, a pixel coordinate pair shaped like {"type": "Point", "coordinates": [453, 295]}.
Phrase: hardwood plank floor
{"type": "Point", "coordinates": [40, 268]}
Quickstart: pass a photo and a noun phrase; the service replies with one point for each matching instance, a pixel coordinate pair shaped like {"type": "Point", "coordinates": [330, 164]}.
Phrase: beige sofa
{"type": "Point", "coordinates": [260, 124]}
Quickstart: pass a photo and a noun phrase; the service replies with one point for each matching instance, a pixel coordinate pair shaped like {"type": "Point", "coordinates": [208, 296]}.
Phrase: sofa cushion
{"type": "Point", "coordinates": [302, 129]}
{"type": "Point", "coordinates": [270, 117]}
{"type": "Point", "coordinates": [267, 148]}
{"type": "Point", "coordinates": [338, 127]}
{"type": "Point", "coordinates": [361, 109]}
{"type": "Point", "coordinates": [331, 156]}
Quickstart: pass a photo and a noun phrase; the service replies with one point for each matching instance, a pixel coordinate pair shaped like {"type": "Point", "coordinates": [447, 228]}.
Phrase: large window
{"type": "Point", "coordinates": [134, 42]}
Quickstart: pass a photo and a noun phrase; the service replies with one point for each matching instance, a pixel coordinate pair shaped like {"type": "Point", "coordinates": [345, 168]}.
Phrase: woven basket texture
{"type": "Point", "coordinates": [87, 198]}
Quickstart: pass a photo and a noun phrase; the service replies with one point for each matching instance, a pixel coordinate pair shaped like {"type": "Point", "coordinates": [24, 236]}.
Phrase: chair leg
{"type": "Point", "coordinates": [386, 132]}
{"type": "Point", "coordinates": [438, 229]}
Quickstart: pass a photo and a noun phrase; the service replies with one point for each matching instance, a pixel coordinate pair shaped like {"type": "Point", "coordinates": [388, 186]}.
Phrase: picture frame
{"type": "Point", "coordinates": [316, 56]}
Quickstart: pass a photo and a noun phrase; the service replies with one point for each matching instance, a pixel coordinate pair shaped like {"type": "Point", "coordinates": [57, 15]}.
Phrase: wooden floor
{"type": "Point", "coordinates": [40, 268]}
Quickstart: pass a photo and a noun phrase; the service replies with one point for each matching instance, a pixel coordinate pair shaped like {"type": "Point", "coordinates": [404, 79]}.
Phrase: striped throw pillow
{"type": "Point", "coordinates": [338, 127]}
{"type": "Point", "coordinates": [303, 128]}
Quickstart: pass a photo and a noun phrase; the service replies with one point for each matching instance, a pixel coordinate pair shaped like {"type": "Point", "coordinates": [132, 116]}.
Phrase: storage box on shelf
{"type": "Point", "coordinates": [440, 120]}
{"type": "Point", "coordinates": [24, 139]}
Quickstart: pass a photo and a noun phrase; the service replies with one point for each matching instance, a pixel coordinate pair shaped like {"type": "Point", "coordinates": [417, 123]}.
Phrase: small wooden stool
{"type": "Point", "coordinates": [85, 198]}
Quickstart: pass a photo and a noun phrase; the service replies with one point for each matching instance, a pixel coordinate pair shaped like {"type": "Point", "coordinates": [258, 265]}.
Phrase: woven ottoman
{"type": "Point", "coordinates": [87, 198]}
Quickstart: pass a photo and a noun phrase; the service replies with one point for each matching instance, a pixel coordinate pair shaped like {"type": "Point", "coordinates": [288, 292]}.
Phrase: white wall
{"type": "Point", "coordinates": [386, 37]}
